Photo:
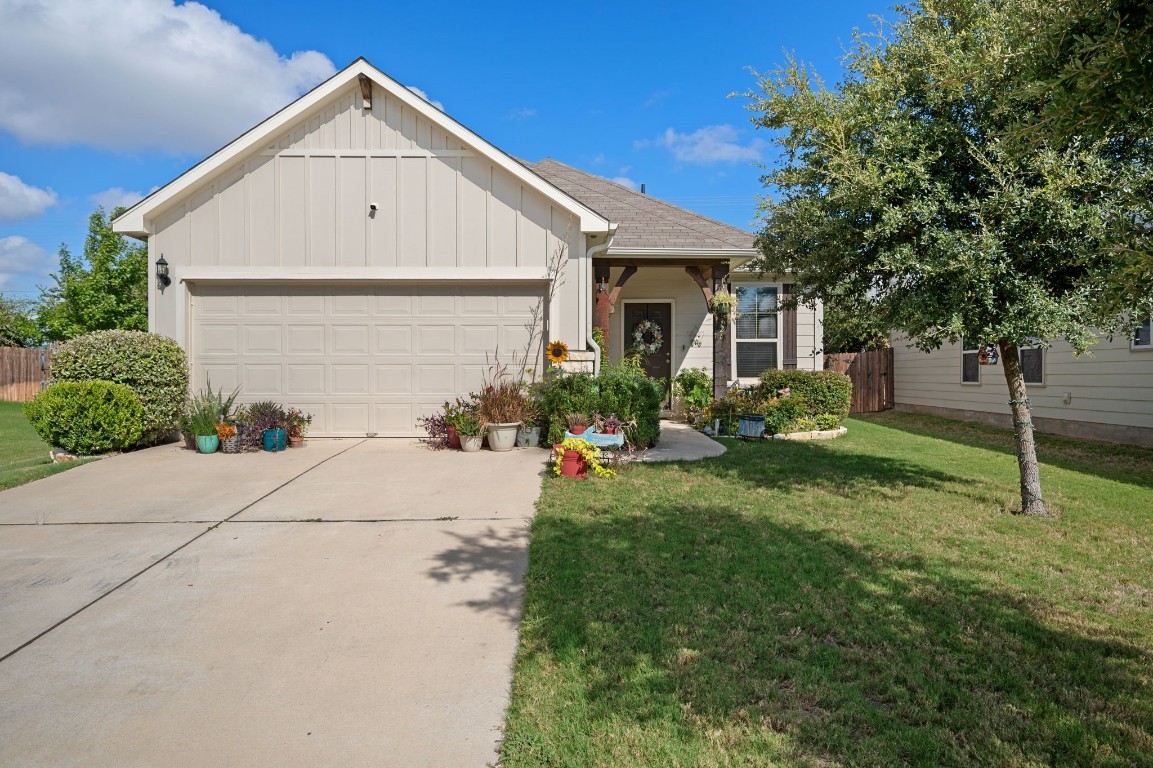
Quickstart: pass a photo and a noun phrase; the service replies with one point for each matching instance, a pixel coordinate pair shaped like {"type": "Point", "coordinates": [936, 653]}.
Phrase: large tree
{"type": "Point", "coordinates": [106, 289]}
{"type": "Point", "coordinates": [896, 197]}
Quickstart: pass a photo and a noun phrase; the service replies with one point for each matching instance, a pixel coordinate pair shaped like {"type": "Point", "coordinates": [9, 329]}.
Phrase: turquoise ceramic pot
{"type": "Point", "coordinates": [275, 439]}
{"type": "Point", "coordinates": [207, 443]}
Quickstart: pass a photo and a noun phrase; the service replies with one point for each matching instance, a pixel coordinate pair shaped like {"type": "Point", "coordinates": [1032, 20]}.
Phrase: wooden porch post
{"type": "Point", "coordinates": [607, 299]}
{"type": "Point", "coordinates": [722, 340]}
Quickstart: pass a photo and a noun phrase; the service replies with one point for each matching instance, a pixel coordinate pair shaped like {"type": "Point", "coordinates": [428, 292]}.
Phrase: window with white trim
{"type": "Point", "coordinates": [1033, 364]}
{"type": "Point", "coordinates": [1142, 338]}
{"type": "Point", "coordinates": [756, 336]}
{"type": "Point", "coordinates": [970, 362]}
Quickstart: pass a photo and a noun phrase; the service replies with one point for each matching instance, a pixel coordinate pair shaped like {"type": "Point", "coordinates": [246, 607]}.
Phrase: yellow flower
{"type": "Point", "coordinates": [557, 352]}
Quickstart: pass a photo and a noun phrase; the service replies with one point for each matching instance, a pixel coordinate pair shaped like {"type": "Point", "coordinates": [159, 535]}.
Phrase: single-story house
{"type": "Point", "coordinates": [1106, 394]}
{"type": "Point", "coordinates": [365, 257]}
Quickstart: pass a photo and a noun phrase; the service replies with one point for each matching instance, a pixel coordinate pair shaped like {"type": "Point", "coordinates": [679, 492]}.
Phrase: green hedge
{"type": "Point", "coordinates": [86, 417]}
{"type": "Point", "coordinates": [621, 389]}
{"type": "Point", "coordinates": [151, 365]}
{"type": "Point", "coordinates": [822, 392]}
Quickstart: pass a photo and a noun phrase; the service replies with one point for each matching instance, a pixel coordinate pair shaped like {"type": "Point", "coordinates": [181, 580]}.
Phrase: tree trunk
{"type": "Point", "coordinates": [1031, 501]}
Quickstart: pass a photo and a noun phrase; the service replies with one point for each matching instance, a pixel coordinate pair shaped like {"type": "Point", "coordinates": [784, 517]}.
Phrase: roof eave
{"type": "Point", "coordinates": [134, 222]}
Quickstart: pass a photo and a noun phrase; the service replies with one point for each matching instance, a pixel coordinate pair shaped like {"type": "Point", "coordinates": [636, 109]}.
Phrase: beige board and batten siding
{"type": "Point", "coordinates": [297, 209]}
{"type": "Point", "coordinates": [1106, 395]}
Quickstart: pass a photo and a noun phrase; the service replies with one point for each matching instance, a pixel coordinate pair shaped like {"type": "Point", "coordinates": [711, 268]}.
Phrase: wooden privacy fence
{"type": "Point", "coordinates": [23, 372]}
{"type": "Point", "coordinates": [872, 376]}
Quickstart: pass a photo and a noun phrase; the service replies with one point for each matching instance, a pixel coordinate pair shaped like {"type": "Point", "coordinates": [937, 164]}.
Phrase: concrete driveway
{"type": "Point", "coordinates": [349, 603]}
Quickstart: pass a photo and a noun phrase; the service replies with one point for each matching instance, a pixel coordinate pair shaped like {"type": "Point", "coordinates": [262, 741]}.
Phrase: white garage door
{"type": "Point", "coordinates": [367, 360]}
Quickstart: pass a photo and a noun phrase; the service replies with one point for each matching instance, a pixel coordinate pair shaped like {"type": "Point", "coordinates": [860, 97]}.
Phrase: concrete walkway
{"type": "Point", "coordinates": [680, 442]}
{"type": "Point", "coordinates": [348, 603]}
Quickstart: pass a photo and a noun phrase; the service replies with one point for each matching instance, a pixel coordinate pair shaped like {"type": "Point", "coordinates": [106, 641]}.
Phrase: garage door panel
{"type": "Point", "coordinates": [365, 359]}
{"type": "Point", "coordinates": [262, 303]}
{"type": "Point", "coordinates": [438, 340]}
{"type": "Point", "coordinates": [216, 339]}
{"type": "Point", "coordinates": [436, 305]}
{"type": "Point", "coordinates": [349, 340]}
{"type": "Point", "coordinates": [225, 376]}
{"type": "Point", "coordinates": [394, 418]}
{"type": "Point", "coordinates": [349, 418]}
{"type": "Point", "coordinates": [393, 340]}
{"type": "Point", "coordinates": [349, 303]}
{"type": "Point", "coordinates": [261, 381]}
{"type": "Point", "coordinates": [475, 304]}
{"type": "Point", "coordinates": [349, 379]}
{"type": "Point", "coordinates": [395, 302]}
{"type": "Point", "coordinates": [436, 379]}
{"type": "Point", "coordinates": [305, 379]}
{"type": "Point", "coordinates": [393, 379]}
{"type": "Point", "coordinates": [305, 306]}
{"type": "Point", "coordinates": [263, 340]}
{"type": "Point", "coordinates": [479, 339]}
{"type": "Point", "coordinates": [304, 340]}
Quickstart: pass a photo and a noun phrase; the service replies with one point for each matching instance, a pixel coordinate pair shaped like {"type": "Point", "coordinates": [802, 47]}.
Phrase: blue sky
{"type": "Point", "coordinates": [103, 100]}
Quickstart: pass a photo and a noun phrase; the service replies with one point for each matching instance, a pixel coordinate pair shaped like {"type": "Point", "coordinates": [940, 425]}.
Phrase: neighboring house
{"type": "Point", "coordinates": [1106, 394]}
{"type": "Point", "coordinates": [363, 256]}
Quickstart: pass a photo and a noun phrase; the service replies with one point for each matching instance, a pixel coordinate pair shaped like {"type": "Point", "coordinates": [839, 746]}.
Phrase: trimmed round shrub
{"type": "Point", "coordinates": [87, 417]}
{"type": "Point", "coordinates": [151, 365]}
{"type": "Point", "coordinates": [823, 392]}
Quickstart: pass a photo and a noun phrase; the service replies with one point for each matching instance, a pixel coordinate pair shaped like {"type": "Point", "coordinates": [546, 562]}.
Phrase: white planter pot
{"type": "Point", "coordinates": [528, 437]}
{"type": "Point", "coordinates": [502, 437]}
{"type": "Point", "coordinates": [471, 443]}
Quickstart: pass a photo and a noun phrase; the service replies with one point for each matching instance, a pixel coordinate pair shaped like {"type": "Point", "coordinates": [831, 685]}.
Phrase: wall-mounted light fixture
{"type": "Point", "coordinates": [372, 211]}
{"type": "Point", "coordinates": [162, 278]}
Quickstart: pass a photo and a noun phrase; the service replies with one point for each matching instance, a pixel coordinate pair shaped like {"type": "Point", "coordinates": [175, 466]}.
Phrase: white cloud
{"type": "Point", "coordinates": [711, 144]}
{"type": "Point", "coordinates": [424, 96]}
{"type": "Point", "coordinates": [139, 74]}
{"type": "Point", "coordinates": [625, 181]}
{"type": "Point", "coordinates": [523, 113]}
{"type": "Point", "coordinates": [118, 196]}
{"type": "Point", "coordinates": [22, 201]}
{"type": "Point", "coordinates": [23, 264]}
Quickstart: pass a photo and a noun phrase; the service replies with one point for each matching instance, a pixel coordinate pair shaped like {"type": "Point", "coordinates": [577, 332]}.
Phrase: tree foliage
{"type": "Point", "coordinates": [899, 200]}
{"type": "Point", "coordinates": [18, 326]}
{"type": "Point", "coordinates": [105, 289]}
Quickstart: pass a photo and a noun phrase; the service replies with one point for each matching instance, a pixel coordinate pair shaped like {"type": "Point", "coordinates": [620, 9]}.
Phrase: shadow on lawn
{"type": "Point", "coordinates": [722, 622]}
{"type": "Point", "coordinates": [1122, 463]}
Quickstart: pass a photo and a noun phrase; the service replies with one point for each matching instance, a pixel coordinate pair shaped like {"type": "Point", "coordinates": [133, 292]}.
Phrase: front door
{"type": "Point", "coordinates": [652, 323]}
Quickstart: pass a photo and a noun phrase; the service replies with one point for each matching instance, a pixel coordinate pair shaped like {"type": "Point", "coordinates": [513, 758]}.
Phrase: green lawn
{"type": "Point", "coordinates": [863, 601]}
{"type": "Point", "coordinates": [23, 455]}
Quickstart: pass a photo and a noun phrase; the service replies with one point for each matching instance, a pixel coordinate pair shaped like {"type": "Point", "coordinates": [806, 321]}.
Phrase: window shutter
{"type": "Point", "coordinates": [789, 330]}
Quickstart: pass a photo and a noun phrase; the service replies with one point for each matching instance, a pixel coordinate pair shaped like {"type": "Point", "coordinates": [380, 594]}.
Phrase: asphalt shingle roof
{"type": "Point", "coordinates": [644, 221]}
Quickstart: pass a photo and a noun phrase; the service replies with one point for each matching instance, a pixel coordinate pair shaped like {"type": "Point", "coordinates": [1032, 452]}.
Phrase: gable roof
{"type": "Point", "coordinates": [132, 221]}
{"type": "Point", "coordinates": [644, 222]}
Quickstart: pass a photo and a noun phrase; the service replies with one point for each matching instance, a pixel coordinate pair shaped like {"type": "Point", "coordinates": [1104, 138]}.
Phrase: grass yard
{"type": "Point", "coordinates": [861, 602]}
{"type": "Point", "coordinates": [23, 455]}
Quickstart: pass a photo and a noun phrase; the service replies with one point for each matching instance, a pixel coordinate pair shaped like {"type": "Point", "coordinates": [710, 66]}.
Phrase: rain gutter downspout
{"type": "Point", "coordinates": [596, 250]}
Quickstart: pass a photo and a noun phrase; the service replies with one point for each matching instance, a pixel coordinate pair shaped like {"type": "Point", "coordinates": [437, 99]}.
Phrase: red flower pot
{"type": "Point", "coordinates": [578, 430]}
{"type": "Point", "coordinates": [573, 464]}
{"type": "Point", "coordinates": [453, 438]}
{"type": "Point", "coordinates": [611, 430]}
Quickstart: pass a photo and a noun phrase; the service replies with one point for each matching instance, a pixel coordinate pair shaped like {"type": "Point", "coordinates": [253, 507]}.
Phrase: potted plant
{"type": "Point", "coordinates": [577, 423]}
{"type": "Point", "coordinates": [723, 306]}
{"type": "Point", "coordinates": [229, 439]}
{"type": "Point", "coordinates": [502, 406]}
{"type": "Point", "coordinates": [576, 456]}
{"type": "Point", "coordinates": [452, 412]}
{"type": "Point", "coordinates": [268, 419]}
{"type": "Point", "coordinates": [608, 426]}
{"type": "Point", "coordinates": [471, 433]}
{"type": "Point", "coordinates": [297, 422]}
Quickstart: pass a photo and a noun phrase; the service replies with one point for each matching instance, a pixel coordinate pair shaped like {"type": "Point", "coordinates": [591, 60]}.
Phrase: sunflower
{"type": "Point", "coordinates": [557, 352]}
